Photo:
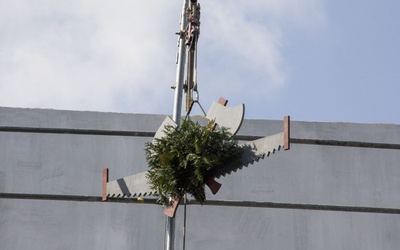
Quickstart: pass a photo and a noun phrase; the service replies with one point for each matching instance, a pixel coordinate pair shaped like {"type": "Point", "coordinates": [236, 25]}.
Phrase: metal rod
{"type": "Point", "coordinates": [180, 67]}
{"type": "Point", "coordinates": [150, 134]}
{"type": "Point", "coordinates": [357, 144]}
{"type": "Point", "coordinates": [337, 143]}
{"type": "Point", "coordinates": [180, 75]}
{"type": "Point", "coordinates": [254, 204]}
{"type": "Point", "coordinates": [58, 197]}
{"type": "Point", "coordinates": [298, 206]}
{"type": "Point", "coordinates": [76, 131]}
{"type": "Point", "coordinates": [184, 222]}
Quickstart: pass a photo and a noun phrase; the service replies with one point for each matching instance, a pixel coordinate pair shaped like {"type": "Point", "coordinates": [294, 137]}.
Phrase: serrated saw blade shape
{"type": "Point", "coordinates": [131, 186]}
{"type": "Point", "coordinates": [252, 151]}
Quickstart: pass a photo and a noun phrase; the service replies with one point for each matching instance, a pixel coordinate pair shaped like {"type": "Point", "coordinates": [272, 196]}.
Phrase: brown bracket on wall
{"type": "Point", "coordinates": [286, 132]}
{"type": "Point", "coordinates": [171, 210]}
{"type": "Point", "coordinates": [212, 184]}
{"type": "Point", "coordinates": [105, 180]}
{"type": "Point", "coordinates": [223, 101]}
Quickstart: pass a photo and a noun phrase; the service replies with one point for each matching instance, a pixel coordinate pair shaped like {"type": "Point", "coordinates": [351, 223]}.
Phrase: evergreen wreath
{"type": "Point", "coordinates": [180, 161]}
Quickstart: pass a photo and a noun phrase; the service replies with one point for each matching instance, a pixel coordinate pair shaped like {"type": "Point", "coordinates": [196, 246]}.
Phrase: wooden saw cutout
{"type": "Point", "coordinates": [229, 117]}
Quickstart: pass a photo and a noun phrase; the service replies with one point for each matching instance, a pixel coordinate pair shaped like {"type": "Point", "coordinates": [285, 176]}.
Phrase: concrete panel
{"type": "Point", "coordinates": [71, 164]}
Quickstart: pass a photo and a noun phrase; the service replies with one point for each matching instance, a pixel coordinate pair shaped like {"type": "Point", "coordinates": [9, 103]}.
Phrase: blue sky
{"type": "Point", "coordinates": [315, 60]}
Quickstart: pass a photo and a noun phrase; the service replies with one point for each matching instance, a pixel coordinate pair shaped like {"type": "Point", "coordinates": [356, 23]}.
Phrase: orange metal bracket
{"type": "Point", "coordinates": [286, 132]}
{"type": "Point", "coordinates": [171, 210]}
{"type": "Point", "coordinates": [105, 180]}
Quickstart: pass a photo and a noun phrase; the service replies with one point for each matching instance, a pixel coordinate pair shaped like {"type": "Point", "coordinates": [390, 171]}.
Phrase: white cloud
{"type": "Point", "coordinates": [242, 45]}
{"type": "Point", "coordinates": [120, 55]}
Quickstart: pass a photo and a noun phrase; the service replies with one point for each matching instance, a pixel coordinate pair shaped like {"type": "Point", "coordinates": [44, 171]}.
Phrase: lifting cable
{"type": "Point", "coordinates": [192, 35]}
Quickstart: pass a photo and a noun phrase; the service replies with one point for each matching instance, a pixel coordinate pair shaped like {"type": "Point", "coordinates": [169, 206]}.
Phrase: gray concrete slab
{"type": "Point", "coordinates": [71, 164]}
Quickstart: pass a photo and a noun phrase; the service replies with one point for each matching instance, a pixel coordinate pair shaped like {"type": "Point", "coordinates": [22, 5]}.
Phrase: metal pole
{"type": "Point", "coordinates": [224, 203]}
{"type": "Point", "coordinates": [180, 75]}
{"type": "Point", "coordinates": [180, 68]}
{"type": "Point", "coordinates": [184, 222]}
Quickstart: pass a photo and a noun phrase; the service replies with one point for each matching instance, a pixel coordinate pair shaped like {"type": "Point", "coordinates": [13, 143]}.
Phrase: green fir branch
{"type": "Point", "coordinates": [180, 161]}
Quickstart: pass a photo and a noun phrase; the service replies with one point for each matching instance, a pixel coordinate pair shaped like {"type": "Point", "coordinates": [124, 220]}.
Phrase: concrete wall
{"type": "Point", "coordinates": [71, 164]}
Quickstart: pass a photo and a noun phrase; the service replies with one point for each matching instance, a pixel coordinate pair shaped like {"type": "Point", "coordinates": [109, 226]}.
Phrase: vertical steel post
{"type": "Point", "coordinates": [180, 75]}
{"type": "Point", "coordinates": [180, 68]}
